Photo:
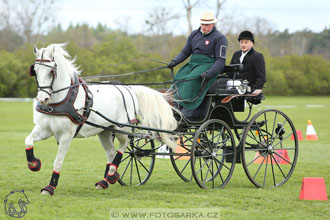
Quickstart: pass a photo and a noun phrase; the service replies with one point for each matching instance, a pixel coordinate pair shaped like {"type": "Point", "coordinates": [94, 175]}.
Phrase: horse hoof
{"type": "Point", "coordinates": [48, 190]}
{"type": "Point", "coordinates": [35, 165]}
{"type": "Point", "coordinates": [103, 184]}
{"type": "Point", "coordinates": [45, 192]}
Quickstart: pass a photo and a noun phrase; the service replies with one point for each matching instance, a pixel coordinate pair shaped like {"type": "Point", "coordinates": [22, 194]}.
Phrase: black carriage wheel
{"type": "Point", "coordinates": [213, 154]}
{"type": "Point", "coordinates": [137, 163]}
{"type": "Point", "coordinates": [181, 164]}
{"type": "Point", "coordinates": [270, 148]}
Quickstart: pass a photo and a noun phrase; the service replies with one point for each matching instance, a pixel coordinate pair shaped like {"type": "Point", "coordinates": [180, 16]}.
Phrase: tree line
{"type": "Point", "coordinates": [296, 63]}
{"type": "Point", "coordinates": [102, 51]}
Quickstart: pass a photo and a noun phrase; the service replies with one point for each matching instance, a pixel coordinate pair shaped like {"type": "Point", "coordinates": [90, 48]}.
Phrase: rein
{"type": "Point", "coordinates": [128, 74]}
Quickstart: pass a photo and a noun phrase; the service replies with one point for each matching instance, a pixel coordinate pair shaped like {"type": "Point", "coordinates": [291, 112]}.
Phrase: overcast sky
{"type": "Point", "coordinates": [293, 15]}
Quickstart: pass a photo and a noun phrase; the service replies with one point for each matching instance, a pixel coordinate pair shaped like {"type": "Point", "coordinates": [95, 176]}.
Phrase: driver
{"type": "Point", "coordinates": [207, 48]}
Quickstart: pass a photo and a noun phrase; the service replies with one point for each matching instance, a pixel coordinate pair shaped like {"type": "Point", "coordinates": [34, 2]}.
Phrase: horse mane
{"type": "Point", "coordinates": [63, 58]}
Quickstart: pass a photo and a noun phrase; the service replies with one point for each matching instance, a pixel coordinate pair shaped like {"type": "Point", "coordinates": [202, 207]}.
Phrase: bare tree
{"type": "Point", "coordinates": [28, 17]}
{"type": "Point", "coordinates": [123, 24]}
{"type": "Point", "coordinates": [219, 5]}
{"type": "Point", "coordinates": [159, 19]}
{"type": "Point", "coordinates": [188, 5]}
{"type": "Point", "coordinates": [4, 14]}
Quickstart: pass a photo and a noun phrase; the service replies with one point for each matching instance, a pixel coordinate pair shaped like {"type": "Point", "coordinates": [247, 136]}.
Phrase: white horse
{"type": "Point", "coordinates": [66, 106]}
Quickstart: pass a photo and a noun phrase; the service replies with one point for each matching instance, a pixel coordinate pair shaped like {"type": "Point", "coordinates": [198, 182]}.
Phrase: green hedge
{"type": "Point", "coordinates": [287, 75]}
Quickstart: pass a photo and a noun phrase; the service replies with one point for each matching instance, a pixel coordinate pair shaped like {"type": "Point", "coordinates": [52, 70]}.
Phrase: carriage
{"type": "Point", "coordinates": [205, 150]}
{"type": "Point", "coordinates": [208, 148]}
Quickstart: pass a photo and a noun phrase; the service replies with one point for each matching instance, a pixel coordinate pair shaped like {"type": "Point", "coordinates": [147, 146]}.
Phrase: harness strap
{"type": "Point", "coordinates": [88, 104]}
{"type": "Point", "coordinates": [66, 106]}
{"type": "Point", "coordinates": [124, 101]}
{"type": "Point", "coordinates": [129, 91]}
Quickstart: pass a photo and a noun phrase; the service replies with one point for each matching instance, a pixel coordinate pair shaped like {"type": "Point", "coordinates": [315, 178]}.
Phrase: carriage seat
{"type": "Point", "coordinates": [233, 68]}
{"type": "Point", "coordinates": [225, 86]}
{"type": "Point", "coordinates": [220, 85]}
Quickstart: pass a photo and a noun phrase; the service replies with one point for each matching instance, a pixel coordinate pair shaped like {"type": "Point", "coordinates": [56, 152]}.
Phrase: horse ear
{"type": "Point", "coordinates": [53, 51]}
{"type": "Point", "coordinates": [35, 50]}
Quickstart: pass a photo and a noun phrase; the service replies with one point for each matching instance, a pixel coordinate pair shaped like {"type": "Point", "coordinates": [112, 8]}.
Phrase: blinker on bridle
{"type": "Point", "coordinates": [44, 62]}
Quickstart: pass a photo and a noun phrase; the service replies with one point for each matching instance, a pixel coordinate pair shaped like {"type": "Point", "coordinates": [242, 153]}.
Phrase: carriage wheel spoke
{"type": "Point", "coordinates": [274, 123]}
{"type": "Point", "coordinates": [207, 173]}
{"type": "Point", "coordinates": [259, 167]}
{"type": "Point", "coordinates": [276, 137]}
{"type": "Point", "coordinates": [279, 167]}
{"type": "Point", "coordinates": [124, 172]}
{"type": "Point", "coordinates": [137, 170]}
{"type": "Point", "coordinates": [185, 166]}
{"type": "Point", "coordinates": [253, 137]}
{"type": "Point", "coordinates": [131, 176]}
{"type": "Point", "coordinates": [281, 141]}
{"type": "Point", "coordinates": [218, 168]}
{"type": "Point", "coordinates": [282, 158]}
{"type": "Point", "coordinates": [201, 166]}
{"type": "Point", "coordinates": [271, 145]}
{"type": "Point", "coordinates": [142, 166]}
{"type": "Point", "coordinates": [266, 171]}
{"type": "Point", "coordinates": [273, 171]}
{"type": "Point", "coordinates": [221, 163]}
{"type": "Point", "coordinates": [256, 158]}
{"type": "Point", "coordinates": [212, 143]}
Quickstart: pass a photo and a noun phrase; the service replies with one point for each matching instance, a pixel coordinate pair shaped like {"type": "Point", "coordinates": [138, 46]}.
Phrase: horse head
{"type": "Point", "coordinates": [44, 69]}
{"type": "Point", "coordinates": [49, 62]}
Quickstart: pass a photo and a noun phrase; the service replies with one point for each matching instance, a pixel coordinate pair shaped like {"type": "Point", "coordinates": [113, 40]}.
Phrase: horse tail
{"type": "Point", "coordinates": [156, 112]}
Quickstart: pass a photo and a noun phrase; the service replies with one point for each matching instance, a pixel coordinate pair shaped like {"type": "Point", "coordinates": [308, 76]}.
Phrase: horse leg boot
{"type": "Point", "coordinates": [106, 139]}
{"type": "Point", "coordinates": [37, 134]}
{"type": "Point", "coordinates": [50, 188]}
{"type": "Point", "coordinates": [34, 164]}
{"type": "Point", "coordinates": [112, 175]}
{"type": "Point", "coordinates": [64, 144]}
{"type": "Point", "coordinates": [103, 183]}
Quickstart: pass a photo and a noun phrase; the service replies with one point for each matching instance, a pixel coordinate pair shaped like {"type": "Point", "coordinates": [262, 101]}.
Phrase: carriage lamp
{"type": "Point", "coordinates": [244, 88]}
{"type": "Point", "coordinates": [280, 130]}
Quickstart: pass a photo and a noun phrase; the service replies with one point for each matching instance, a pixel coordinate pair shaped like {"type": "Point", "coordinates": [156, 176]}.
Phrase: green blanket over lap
{"type": "Point", "coordinates": [188, 93]}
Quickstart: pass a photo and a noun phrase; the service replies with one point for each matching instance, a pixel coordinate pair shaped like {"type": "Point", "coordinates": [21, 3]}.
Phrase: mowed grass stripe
{"type": "Point", "coordinates": [76, 198]}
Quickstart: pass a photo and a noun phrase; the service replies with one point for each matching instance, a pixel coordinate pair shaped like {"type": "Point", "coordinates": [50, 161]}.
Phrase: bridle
{"type": "Point", "coordinates": [53, 72]}
{"type": "Point", "coordinates": [44, 62]}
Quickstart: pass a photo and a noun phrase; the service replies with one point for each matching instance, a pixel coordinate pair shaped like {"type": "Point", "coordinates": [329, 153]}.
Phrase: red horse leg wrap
{"type": "Point", "coordinates": [116, 161]}
{"type": "Point", "coordinates": [103, 183]}
{"type": "Point", "coordinates": [34, 164]}
{"type": "Point", "coordinates": [112, 179]}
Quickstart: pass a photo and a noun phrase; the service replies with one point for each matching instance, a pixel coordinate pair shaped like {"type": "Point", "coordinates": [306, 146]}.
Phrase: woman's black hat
{"type": "Point", "coordinates": [246, 35]}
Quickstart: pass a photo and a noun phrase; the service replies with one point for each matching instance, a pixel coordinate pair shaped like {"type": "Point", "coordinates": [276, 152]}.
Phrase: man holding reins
{"type": "Point", "coordinates": [207, 48]}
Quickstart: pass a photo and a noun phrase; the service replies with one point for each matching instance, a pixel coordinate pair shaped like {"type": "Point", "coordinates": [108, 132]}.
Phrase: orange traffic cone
{"type": "Point", "coordinates": [299, 135]}
{"type": "Point", "coordinates": [281, 157]}
{"type": "Point", "coordinates": [180, 149]}
{"type": "Point", "coordinates": [311, 133]}
{"type": "Point", "coordinates": [313, 188]}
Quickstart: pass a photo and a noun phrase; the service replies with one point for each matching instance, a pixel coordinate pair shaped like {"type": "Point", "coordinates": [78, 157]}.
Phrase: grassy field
{"type": "Point", "coordinates": [76, 198]}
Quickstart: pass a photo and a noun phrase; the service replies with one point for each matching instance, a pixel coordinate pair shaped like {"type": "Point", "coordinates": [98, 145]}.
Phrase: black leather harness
{"type": "Point", "coordinates": [66, 106]}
